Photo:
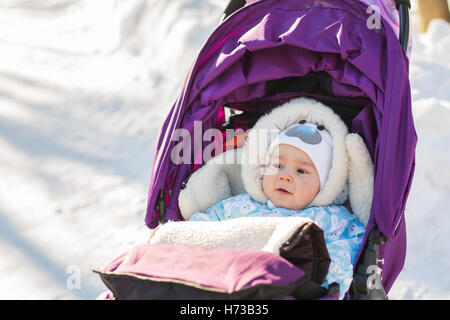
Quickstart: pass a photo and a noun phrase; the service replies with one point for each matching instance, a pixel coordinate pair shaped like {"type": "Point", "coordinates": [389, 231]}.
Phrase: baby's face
{"type": "Point", "coordinates": [290, 180]}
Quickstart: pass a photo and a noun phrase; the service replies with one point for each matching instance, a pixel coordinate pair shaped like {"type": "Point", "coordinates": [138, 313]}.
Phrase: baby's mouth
{"type": "Point", "coordinates": [283, 191]}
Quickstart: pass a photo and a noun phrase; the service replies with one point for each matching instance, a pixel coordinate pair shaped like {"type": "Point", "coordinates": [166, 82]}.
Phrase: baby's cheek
{"type": "Point", "coordinates": [267, 185]}
{"type": "Point", "coordinates": [305, 193]}
{"type": "Point", "coordinates": [310, 188]}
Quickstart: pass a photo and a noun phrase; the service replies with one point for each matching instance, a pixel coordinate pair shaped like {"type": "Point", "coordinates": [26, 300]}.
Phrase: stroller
{"type": "Point", "coordinates": [267, 52]}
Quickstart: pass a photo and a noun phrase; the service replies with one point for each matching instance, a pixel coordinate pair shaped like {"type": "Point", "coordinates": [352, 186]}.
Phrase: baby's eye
{"type": "Point", "coordinates": [301, 171]}
{"type": "Point", "coordinates": [277, 165]}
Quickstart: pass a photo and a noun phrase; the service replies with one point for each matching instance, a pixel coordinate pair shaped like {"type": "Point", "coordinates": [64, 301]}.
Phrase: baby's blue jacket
{"type": "Point", "coordinates": [343, 232]}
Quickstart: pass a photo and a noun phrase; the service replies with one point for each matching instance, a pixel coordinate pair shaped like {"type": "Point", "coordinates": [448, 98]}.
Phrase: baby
{"type": "Point", "coordinates": [300, 159]}
{"type": "Point", "coordinates": [298, 162]}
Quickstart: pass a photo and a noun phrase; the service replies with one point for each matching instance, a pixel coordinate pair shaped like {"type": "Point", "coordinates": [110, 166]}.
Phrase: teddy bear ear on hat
{"type": "Point", "coordinates": [360, 177]}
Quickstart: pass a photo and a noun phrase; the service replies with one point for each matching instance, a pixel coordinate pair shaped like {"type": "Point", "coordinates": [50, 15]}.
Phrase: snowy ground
{"type": "Point", "coordinates": [84, 87]}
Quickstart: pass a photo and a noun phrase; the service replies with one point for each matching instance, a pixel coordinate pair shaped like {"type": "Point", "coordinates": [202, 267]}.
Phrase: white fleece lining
{"type": "Point", "coordinates": [248, 233]}
{"type": "Point", "coordinates": [218, 179]}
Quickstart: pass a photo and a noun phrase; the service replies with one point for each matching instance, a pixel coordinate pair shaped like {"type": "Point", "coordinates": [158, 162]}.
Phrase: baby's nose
{"type": "Point", "coordinates": [286, 177]}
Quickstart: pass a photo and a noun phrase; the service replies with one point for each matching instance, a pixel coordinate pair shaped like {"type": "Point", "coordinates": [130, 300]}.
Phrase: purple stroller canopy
{"type": "Point", "coordinates": [274, 39]}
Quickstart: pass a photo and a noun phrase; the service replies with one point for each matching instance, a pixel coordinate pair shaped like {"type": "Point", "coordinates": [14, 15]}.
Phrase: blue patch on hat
{"type": "Point", "coordinates": [306, 129]}
{"type": "Point", "coordinates": [307, 133]}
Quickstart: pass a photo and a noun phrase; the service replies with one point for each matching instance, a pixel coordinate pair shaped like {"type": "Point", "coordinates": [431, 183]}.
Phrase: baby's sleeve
{"type": "Point", "coordinates": [230, 208]}
{"type": "Point", "coordinates": [215, 213]}
{"type": "Point", "coordinates": [344, 240]}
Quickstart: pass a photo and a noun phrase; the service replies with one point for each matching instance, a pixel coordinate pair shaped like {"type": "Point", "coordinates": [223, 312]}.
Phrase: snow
{"type": "Point", "coordinates": [84, 88]}
{"type": "Point", "coordinates": [425, 274]}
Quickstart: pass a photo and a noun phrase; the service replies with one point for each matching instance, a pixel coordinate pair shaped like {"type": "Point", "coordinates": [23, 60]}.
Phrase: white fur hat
{"type": "Point", "coordinates": [271, 124]}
